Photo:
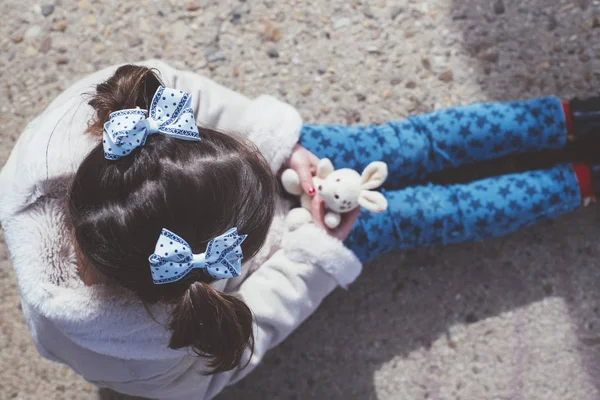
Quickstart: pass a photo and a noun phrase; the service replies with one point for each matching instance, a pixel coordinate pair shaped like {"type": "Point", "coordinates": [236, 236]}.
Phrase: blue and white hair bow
{"type": "Point", "coordinates": [170, 114]}
{"type": "Point", "coordinates": [173, 258]}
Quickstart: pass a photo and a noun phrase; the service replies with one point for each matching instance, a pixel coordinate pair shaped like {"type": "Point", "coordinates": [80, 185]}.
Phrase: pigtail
{"type": "Point", "coordinates": [214, 325]}
{"type": "Point", "coordinates": [131, 86]}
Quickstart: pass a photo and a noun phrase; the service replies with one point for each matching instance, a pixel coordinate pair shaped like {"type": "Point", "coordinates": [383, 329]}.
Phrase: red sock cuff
{"type": "Point", "coordinates": [568, 119]}
{"type": "Point", "coordinates": [584, 180]}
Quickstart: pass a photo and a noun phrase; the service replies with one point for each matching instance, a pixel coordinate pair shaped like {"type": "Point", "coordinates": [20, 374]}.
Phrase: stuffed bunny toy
{"type": "Point", "coordinates": [342, 191]}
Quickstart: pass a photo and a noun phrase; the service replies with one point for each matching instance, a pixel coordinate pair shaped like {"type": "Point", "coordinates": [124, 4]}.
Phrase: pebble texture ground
{"type": "Point", "coordinates": [512, 318]}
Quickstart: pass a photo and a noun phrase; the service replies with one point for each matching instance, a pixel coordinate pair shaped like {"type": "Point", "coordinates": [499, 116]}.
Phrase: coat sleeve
{"type": "Point", "coordinates": [273, 126]}
{"type": "Point", "coordinates": [289, 287]}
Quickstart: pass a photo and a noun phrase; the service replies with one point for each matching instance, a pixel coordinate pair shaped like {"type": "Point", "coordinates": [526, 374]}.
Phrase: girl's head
{"type": "Point", "coordinates": [197, 190]}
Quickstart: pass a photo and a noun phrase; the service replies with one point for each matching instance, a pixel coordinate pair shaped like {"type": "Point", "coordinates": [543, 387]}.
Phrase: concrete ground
{"type": "Point", "coordinates": [512, 318]}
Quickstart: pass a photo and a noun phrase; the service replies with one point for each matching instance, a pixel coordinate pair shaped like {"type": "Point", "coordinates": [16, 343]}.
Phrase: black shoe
{"type": "Point", "coordinates": [586, 116]}
{"type": "Point", "coordinates": [584, 149]}
{"type": "Point", "coordinates": [595, 170]}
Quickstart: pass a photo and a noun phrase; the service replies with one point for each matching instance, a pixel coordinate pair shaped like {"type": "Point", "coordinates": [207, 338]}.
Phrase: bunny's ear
{"type": "Point", "coordinates": [374, 175]}
{"type": "Point", "coordinates": [324, 168]}
{"type": "Point", "coordinates": [372, 201]}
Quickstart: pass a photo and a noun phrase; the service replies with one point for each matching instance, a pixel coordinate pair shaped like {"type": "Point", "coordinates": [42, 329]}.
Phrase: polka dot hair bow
{"type": "Point", "coordinates": [169, 114]}
{"type": "Point", "coordinates": [173, 258]}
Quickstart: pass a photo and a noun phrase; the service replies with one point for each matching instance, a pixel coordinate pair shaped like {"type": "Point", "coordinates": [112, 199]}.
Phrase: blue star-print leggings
{"type": "Point", "coordinates": [425, 214]}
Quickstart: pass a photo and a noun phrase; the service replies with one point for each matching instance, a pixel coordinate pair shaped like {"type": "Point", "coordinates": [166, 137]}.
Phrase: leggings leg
{"type": "Point", "coordinates": [421, 216]}
{"type": "Point", "coordinates": [427, 143]}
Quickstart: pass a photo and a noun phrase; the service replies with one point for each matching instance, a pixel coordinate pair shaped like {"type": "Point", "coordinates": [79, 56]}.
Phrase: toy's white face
{"type": "Point", "coordinates": [340, 190]}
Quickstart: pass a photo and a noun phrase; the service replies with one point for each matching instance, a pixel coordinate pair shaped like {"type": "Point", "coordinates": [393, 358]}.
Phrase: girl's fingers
{"type": "Point", "coordinates": [305, 164]}
{"type": "Point", "coordinates": [318, 212]}
{"type": "Point", "coordinates": [306, 179]}
{"type": "Point", "coordinates": [314, 160]}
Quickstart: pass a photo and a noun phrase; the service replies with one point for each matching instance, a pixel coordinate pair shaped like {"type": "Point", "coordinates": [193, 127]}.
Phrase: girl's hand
{"type": "Point", "coordinates": [343, 230]}
{"type": "Point", "coordinates": [305, 164]}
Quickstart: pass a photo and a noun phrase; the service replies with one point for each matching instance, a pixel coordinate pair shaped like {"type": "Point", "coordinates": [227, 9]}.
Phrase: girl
{"type": "Point", "coordinates": [127, 222]}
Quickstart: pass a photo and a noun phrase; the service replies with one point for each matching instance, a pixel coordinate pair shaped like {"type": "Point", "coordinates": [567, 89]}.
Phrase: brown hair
{"type": "Point", "coordinates": [197, 190]}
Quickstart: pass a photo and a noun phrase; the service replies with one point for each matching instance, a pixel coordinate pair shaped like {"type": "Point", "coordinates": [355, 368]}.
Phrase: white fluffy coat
{"type": "Point", "coordinates": [104, 333]}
